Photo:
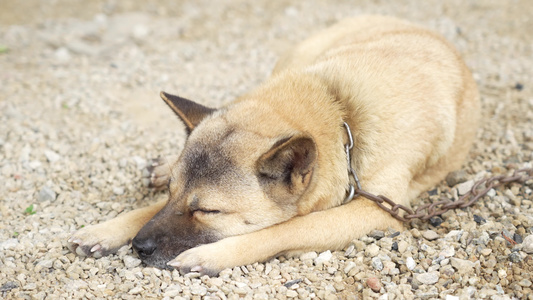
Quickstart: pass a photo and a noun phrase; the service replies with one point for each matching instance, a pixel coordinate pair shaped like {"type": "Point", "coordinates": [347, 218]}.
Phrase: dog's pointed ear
{"type": "Point", "coordinates": [189, 112]}
{"type": "Point", "coordinates": [287, 168]}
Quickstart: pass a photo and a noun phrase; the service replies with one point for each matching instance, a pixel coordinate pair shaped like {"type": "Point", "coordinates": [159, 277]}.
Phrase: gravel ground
{"type": "Point", "coordinates": [80, 114]}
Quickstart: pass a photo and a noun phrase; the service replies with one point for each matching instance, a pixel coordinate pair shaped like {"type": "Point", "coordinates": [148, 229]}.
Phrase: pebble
{"type": "Point", "coordinates": [374, 284]}
{"type": "Point", "coordinates": [410, 263]}
{"type": "Point", "coordinates": [528, 244]}
{"type": "Point", "coordinates": [52, 156]}
{"type": "Point", "coordinates": [456, 177]}
{"type": "Point", "coordinates": [430, 235]}
{"type": "Point", "coordinates": [62, 54]}
{"type": "Point", "coordinates": [461, 265]}
{"type": "Point", "coordinates": [131, 262]}
{"type": "Point", "coordinates": [323, 257]}
{"type": "Point", "coordinates": [377, 264]}
{"type": "Point", "coordinates": [118, 191]}
{"type": "Point", "coordinates": [46, 194]}
{"type": "Point", "coordinates": [515, 257]}
{"type": "Point", "coordinates": [449, 251]}
{"type": "Point", "coordinates": [465, 187]}
{"type": "Point", "coordinates": [372, 250]}
{"type": "Point", "coordinates": [428, 278]}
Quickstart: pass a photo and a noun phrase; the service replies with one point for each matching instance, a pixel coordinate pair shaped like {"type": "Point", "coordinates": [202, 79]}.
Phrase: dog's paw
{"type": "Point", "coordinates": [208, 259]}
{"type": "Point", "coordinates": [96, 241]}
{"type": "Point", "coordinates": [157, 172]}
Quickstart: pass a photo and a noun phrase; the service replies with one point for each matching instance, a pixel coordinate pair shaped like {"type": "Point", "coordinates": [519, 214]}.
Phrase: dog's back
{"type": "Point", "coordinates": [405, 66]}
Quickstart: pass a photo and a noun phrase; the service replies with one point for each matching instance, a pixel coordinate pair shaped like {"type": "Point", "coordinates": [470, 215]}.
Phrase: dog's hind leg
{"type": "Point", "coordinates": [157, 172]}
{"type": "Point", "coordinates": [107, 237]}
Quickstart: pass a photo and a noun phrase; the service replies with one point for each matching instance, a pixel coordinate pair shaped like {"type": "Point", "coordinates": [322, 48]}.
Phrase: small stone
{"type": "Point", "coordinates": [139, 162]}
{"type": "Point", "coordinates": [447, 252]}
{"type": "Point", "coordinates": [515, 257]}
{"type": "Point", "coordinates": [410, 263]}
{"type": "Point", "coordinates": [136, 290]}
{"type": "Point", "coordinates": [289, 284]}
{"type": "Point", "coordinates": [118, 191]}
{"type": "Point", "coordinates": [479, 220]}
{"type": "Point", "coordinates": [292, 294]}
{"type": "Point", "coordinates": [430, 235]}
{"type": "Point", "coordinates": [465, 187]}
{"type": "Point", "coordinates": [140, 31]}
{"type": "Point", "coordinates": [394, 246]}
{"type": "Point", "coordinates": [372, 250]}
{"type": "Point", "coordinates": [62, 54]}
{"type": "Point", "coordinates": [525, 283]}
{"type": "Point", "coordinates": [51, 156]}
{"type": "Point", "coordinates": [46, 194]}
{"type": "Point", "coordinates": [461, 265]}
{"type": "Point", "coordinates": [486, 251]}
{"type": "Point", "coordinates": [435, 221]}
{"type": "Point", "coordinates": [323, 257]}
{"type": "Point", "coordinates": [374, 284]}
{"type": "Point", "coordinates": [9, 244]}
{"type": "Point", "coordinates": [402, 246]}
{"type": "Point", "coordinates": [528, 244]}
{"type": "Point", "coordinates": [428, 278]}
{"type": "Point", "coordinates": [377, 264]}
{"type": "Point", "coordinates": [198, 290]}
{"type": "Point", "coordinates": [349, 266]}
{"type": "Point", "coordinates": [456, 177]}
{"type": "Point", "coordinates": [131, 262]}
{"type": "Point", "coordinates": [454, 235]}
{"type": "Point", "coordinates": [518, 238]}
{"type": "Point", "coordinates": [350, 251]}
{"type": "Point", "coordinates": [376, 234]}
{"type": "Point", "coordinates": [8, 286]}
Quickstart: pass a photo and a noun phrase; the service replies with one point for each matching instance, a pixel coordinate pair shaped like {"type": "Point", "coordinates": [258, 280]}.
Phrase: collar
{"type": "Point", "coordinates": [351, 190]}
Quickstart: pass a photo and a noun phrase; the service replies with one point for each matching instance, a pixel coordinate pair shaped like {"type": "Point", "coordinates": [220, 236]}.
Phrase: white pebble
{"type": "Point", "coordinates": [131, 262]}
{"type": "Point", "coordinates": [372, 250]}
{"type": "Point", "coordinates": [323, 257]}
{"type": "Point", "coordinates": [410, 263]}
{"type": "Point", "coordinates": [51, 156]}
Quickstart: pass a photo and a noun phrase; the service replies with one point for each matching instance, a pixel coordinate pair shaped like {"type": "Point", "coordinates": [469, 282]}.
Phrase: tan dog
{"type": "Point", "coordinates": [267, 174]}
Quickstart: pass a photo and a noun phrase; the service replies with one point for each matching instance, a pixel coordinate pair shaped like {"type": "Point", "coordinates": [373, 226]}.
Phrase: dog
{"type": "Point", "coordinates": [267, 175]}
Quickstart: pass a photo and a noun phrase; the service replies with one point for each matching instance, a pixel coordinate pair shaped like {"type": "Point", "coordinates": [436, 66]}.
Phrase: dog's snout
{"type": "Point", "coordinates": [144, 247]}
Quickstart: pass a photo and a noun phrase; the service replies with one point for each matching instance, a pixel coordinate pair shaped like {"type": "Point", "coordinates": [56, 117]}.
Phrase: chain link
{"type": "Point", "coordinates": [430, 210]}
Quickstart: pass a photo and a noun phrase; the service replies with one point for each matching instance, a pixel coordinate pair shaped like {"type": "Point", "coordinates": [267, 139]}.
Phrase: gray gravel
{"type": "Point", "coordinates": [80, 114]}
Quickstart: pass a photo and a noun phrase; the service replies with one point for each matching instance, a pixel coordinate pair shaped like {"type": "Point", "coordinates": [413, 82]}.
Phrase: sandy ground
{"type": "Point", "coordinates": [80, 114]}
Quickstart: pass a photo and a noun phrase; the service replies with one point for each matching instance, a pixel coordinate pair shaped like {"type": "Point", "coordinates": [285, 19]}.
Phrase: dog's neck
{"type": "Point", "coordinates": [308, 106]}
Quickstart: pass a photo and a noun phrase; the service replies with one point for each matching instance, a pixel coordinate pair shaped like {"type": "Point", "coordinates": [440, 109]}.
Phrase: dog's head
{"type": "Point", "coordinates": [231, 178]}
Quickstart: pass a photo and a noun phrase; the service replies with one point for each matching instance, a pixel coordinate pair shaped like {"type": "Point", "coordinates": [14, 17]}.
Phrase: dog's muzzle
{"type": "Point", "coordinates": [168, 234]}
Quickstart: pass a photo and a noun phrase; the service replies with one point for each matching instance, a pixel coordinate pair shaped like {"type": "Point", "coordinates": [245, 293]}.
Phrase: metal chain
{"type": "Point", "coordinates": [430, 210]}
{"type": "Point", "coordinates": [348, 147]}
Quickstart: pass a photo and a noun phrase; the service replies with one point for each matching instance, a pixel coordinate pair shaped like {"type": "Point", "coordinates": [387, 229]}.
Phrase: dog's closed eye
{"type": "Point", "coordinates": [206, 211]}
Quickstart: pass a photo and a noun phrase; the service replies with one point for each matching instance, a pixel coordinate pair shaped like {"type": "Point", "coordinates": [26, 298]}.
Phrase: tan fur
{"type": "Point", "coordinates": [413, 109]}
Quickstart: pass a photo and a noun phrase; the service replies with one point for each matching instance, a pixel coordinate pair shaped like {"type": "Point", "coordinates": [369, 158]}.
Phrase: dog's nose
{"type": "Point", "coordinates": [144, 247]}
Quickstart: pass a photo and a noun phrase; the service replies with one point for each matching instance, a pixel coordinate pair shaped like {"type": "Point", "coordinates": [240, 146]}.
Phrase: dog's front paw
{"type": "Point", "coordinates": [96, 241]}
{"type": "Point", "coordinates": [208, 259]}
{"type": "Point", "coordinates": [158, 172]}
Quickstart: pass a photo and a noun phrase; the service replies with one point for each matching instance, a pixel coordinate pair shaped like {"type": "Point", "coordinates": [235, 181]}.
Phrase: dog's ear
{"type": "Point", "coordinates": [286, 169]}
{"type": "Point", "coordinates": [190, 112]}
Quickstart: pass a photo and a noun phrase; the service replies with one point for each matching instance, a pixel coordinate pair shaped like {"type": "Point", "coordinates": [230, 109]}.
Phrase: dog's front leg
{"type": "Point", "coordinates": [329, 229]}
{"type": "Point", "coordinates": [105, 238]}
